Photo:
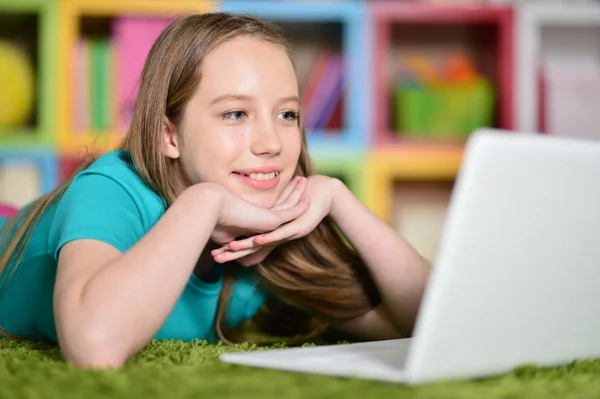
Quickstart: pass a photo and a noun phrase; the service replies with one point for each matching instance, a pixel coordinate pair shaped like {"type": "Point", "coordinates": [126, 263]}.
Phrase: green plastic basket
{"type": "Point", "coordinates": [449, 112]}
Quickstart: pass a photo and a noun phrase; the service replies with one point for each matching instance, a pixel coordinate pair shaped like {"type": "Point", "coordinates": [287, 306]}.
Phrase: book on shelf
{"type": "Point", "coordinates": [93, 76]}
{"type": "Point", "coordinates": [134, 37]}
{"type": "Point", "coordinates": [107, 71]}
{"type": "Point", "coordinates": [323, 94]}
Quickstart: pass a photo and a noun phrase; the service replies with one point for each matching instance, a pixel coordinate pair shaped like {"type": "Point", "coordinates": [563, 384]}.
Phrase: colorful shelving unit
{"type": "Point", "coordinates": [365, 150]}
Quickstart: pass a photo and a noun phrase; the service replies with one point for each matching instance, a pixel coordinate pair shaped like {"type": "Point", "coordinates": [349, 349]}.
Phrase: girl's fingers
{"type": "Point", "coordinates": [286, 192]}
{"type": "Point", "coordinates": [228, 256]}
{"type": "Point", "coordinates": [292, 213]}
{"type": "Point", "coordinates": [285, 215]}
{"type": "Point", "coordinates": [284, 233]}
{"type": "Point", "coordinates": [294, 196]}
{"type": "Point", "coordinates": [241, 244]}
{"type": "Point", "coordinates": [255, 258]}
{"type": "Point", "coordinates": [218, 250]}
{"type": "Point", "coordinates": [238, 245]}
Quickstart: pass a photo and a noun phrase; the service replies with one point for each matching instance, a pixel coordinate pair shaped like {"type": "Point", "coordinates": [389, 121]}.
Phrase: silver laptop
{"type": "Point", "coordinates": [517, 276]}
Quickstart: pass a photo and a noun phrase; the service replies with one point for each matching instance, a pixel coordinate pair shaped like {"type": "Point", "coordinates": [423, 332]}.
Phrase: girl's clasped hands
{"type": "Point", "coordinates": [310, 198]}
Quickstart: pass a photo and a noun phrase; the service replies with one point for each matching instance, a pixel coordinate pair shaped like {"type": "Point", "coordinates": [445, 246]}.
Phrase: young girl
{"type": "Point", "coordinates": [155, 240]}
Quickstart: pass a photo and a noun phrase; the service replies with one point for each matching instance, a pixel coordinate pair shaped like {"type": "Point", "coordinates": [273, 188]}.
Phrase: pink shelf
{"type": "Point", "coordinates": [389, 16]}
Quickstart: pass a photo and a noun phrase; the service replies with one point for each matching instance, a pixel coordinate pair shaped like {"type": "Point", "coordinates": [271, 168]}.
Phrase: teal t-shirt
{"type": "Point", "coordinates": [110, 203]}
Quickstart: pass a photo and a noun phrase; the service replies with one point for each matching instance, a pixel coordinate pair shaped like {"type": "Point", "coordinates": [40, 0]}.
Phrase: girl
{"type": "Point", "coordinates": [152, 240]}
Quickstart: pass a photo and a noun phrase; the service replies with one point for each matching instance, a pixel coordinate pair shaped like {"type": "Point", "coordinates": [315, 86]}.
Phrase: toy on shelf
{"type": "Point", "coordinates": [445, 103]}
{"type": "Point", "coordinates": [18, 84]}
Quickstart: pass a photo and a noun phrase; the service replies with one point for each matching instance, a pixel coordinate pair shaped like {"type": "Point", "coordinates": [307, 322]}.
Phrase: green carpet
{"type": "Point", "coordinates": [192, 370]}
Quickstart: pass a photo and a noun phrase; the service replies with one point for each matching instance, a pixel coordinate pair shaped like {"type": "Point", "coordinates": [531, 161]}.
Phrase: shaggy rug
{"type": "Point", "coordinates": [168, 369]}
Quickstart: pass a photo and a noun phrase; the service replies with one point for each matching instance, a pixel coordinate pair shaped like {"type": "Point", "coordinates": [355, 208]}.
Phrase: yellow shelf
{"type": "Point", "coordinates": [406, 162]}
{"type": "Point", "coordinates": [78, 143]}
{"type": "Point", "coordinates": [418, 161]}
{"type": "Point", "coordinates": [115, 7]}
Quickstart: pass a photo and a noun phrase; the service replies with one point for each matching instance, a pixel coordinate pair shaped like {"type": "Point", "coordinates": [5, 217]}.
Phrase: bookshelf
{"type": "Point", "coordinates": [359, 140]}
{"type": "Point", "coordinates": [95, 17]}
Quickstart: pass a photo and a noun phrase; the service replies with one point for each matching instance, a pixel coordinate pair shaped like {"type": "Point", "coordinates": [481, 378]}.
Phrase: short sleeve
{"type": "Point", "coordinates": [96, 206]}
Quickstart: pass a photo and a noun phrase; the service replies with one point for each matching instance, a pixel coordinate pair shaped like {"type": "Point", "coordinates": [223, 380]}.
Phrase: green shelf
{"type": "Point", "coordinates": [25, 5]}
{"type": "Point", "coordinates": [347, 166]}
{"type": "Point", "coordinates": [41, 135]}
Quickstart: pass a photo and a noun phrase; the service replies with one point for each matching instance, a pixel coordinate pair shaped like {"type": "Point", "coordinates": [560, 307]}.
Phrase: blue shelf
{"type": "Point", "coordinates": [333, 142]}
{"type": "Point", "coordinates": [294, 11]}
{"type": "Point", "coordinates": [353, 17]}
{"type": "Point", "coordinates": [46, 161]}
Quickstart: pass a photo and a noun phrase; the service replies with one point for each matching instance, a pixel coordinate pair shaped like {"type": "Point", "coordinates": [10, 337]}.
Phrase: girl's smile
{"type": "Point", "coordinates": [263, 178]}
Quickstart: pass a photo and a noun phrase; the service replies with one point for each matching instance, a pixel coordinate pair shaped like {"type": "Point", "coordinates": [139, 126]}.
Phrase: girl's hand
{"type": "Point", "coordinates": [320, 190]}
{"type": "Point", "coordinates": [289, 198]}
{"type": "Point", "coordinates": [241, 218]}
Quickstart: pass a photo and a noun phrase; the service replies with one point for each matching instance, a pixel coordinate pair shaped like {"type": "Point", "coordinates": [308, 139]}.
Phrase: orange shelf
{"type": "Point", "coordinates": [407, 161]}
{"type": "Point", "coordinates": [418, 160]}
{"type": "Point", "coordinates": [78, 143]}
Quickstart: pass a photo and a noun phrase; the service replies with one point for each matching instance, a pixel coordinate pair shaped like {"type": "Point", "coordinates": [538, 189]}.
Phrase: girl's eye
{"type": "Point", "coordinates": [289, 115]}
{"type": "Point", "coordinates": [234, 115]}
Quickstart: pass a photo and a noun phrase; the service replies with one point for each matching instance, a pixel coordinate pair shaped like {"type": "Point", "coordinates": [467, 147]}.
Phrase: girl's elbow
{"type": "Point", "coordinates": [87, 349]}
{"type": "Point", "coordinates": [95, 361]}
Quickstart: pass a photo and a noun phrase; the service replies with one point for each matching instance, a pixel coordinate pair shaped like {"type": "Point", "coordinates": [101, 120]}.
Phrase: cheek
{"type": "Point", "coordinates": [213, 160]}
{"type": "Point", "coordinates": [293, 145]}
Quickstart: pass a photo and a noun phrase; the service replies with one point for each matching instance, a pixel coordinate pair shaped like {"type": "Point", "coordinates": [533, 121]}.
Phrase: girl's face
{"type": "Point", "coordinates": [240, 128]}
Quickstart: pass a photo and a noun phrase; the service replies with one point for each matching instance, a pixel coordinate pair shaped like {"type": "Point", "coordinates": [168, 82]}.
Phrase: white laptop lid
{"type": "Point", "coordinates": [517, 278]}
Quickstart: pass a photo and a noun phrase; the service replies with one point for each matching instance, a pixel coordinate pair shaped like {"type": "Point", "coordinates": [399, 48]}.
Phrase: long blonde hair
{"type": "Point", "coordinates": [320, 273]}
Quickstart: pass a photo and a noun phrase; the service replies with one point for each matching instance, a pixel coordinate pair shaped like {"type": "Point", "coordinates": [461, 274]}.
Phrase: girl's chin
{"type": "Point", "coordinates": [263, 199]}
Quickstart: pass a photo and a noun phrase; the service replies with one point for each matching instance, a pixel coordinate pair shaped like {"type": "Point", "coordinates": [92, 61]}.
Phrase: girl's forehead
{"type": "Point", "coordinates": [248, 65]}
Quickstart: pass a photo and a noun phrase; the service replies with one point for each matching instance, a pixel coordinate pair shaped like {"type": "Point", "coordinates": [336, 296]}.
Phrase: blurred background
{"type": "Point", "coordinates": [391, 89]}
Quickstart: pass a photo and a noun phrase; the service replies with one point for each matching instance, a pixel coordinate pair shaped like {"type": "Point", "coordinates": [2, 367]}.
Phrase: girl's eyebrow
{"type": "Point", "coordinates": [289, 99]}
{"type": "Point", "coordinates": [243, 97]}
{"type": "Point", "coordinates": [224, 97]}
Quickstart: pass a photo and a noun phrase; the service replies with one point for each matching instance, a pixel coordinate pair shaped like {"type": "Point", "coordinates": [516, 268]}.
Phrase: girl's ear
{"type": "Point", "coordinates": [170, 140]}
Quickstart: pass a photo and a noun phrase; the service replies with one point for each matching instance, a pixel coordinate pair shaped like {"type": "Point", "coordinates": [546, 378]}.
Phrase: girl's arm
{"type": "Point", "coordinates": [398, 270]}
{"type": "Point", "coordinates": [108, 305]}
